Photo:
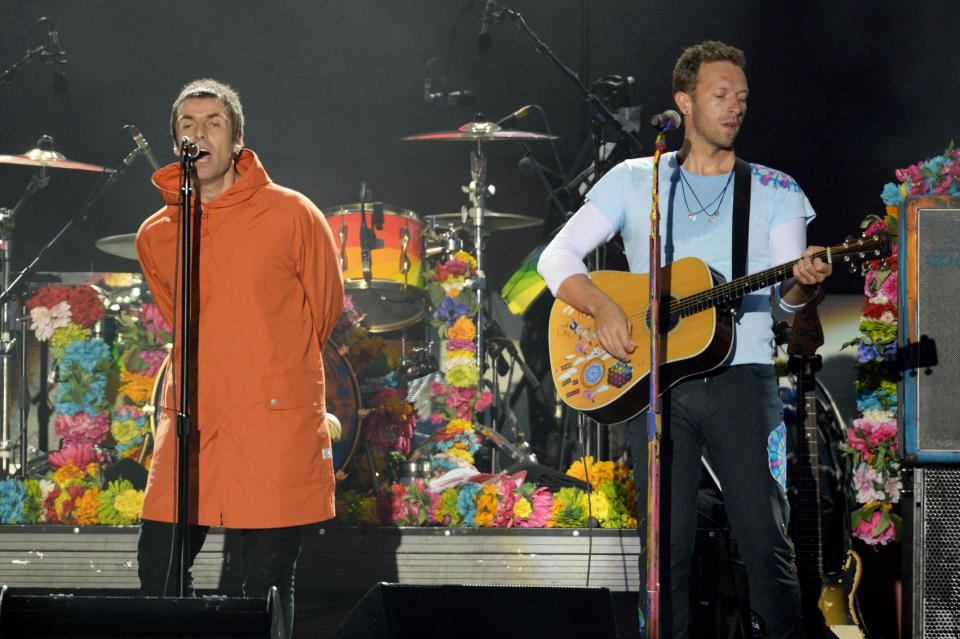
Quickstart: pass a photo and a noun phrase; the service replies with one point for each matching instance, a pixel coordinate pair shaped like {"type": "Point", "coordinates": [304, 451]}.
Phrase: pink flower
{"type": "Point", "coordinates": [47, 320]}
{"type": "Point", "coordinates": [80, 427]}
{"type": "Point", "coordinates": [80, 453]}
{"type": "Point", "coordinates": [153, 320]}
{"type": "Point", "coordinates": [881, 434]}
{"type": "Point", "coordinates": [865, 531]}
{"type": "Point", "coordinates": [864, 479]}
{"type": "Point", "coordinates": [856, 441]}
{"type": "Point", "coordinates": [154, 359]}
{"type": "Point", "coordinates": [542, 502]}
{"type": "Point", "coordinates": [889, 287]}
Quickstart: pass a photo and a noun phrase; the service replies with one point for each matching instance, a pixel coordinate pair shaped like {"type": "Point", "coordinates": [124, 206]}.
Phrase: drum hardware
{"type": "Point", "coordinates": [493, 220]}
{"type": "Point", "coordinates": [478, 191]}
{"type": "Point", "coordinates": [119, 245]}
{"type": "Point", "coordinates": [45, 156]}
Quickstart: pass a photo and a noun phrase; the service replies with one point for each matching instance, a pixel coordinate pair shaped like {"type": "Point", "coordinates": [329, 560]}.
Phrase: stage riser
{"type": "Point", "coordinates": [63, 557]}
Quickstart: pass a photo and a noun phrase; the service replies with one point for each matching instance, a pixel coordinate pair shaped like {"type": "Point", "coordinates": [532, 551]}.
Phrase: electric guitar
{"type": "Point", "coordinates": [834, 594]}
{"type": "Point", "coordinates": [696, 330]}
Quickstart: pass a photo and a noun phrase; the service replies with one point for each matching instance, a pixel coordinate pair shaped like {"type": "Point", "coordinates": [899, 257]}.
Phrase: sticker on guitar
{"type": "Point", "coordinates": [585, 369]}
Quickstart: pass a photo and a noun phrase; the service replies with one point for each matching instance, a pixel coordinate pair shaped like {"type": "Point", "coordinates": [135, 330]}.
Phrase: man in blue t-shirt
{"type": "Point", "coordinates": [734, 411]}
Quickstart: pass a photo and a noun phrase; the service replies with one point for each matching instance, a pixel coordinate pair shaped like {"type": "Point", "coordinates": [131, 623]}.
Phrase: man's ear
{"type": "Point", "coordinates": [682, 99]}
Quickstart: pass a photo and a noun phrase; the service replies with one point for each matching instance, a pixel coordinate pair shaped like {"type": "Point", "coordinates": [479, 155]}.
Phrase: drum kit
{"type": "Point", "coordinates": [390, 291]}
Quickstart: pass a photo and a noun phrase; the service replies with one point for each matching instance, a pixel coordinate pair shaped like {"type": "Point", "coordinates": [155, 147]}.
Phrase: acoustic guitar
{"type": "Point", "coordinates": [696, 324]}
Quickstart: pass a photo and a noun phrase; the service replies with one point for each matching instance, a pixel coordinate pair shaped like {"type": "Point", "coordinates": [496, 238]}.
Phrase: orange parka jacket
{"type": "Point", "coordinates": [268, 294]}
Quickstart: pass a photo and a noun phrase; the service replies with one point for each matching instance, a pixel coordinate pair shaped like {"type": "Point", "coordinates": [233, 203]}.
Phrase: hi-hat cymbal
{"type": "Point", "coordinates": [480, 132]}
{"type": "Point", "coordinates": [492, 221]}
{"type": "Point", "coordinates": [50, 158]}
{"type": "Point", "coordinates": [119, 245]}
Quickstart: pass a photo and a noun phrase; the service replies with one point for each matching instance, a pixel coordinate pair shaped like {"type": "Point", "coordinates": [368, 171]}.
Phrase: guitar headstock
{"type": "Point", "coordinates": [856, 250]}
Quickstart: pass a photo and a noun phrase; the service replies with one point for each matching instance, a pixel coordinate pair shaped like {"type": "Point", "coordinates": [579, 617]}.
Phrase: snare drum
{"type": "Point", "coordinates": [342, 394]}
{"type": "Point", "coordinates": [393, 297]}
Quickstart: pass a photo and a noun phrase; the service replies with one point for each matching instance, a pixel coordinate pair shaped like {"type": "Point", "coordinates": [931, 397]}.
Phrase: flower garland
{"type": "Point", "coordinates": [872, 439]}
{"type": "Point", "coordinates": [939, 175]}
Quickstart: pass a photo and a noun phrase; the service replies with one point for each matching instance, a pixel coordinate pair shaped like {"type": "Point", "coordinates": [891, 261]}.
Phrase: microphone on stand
{"type": "Point", "coordinates": [189, 148]}
{"type": "Point", "coordinates": [490, 16]}
{"type": "Point", "coordinates": [143, 146]}
{"type": "Point", "coordinates": [57, 57]}
{"type": "Point", "coordinates": [666, 121]}
{"type": "Point", "coordinates": [520, 113]}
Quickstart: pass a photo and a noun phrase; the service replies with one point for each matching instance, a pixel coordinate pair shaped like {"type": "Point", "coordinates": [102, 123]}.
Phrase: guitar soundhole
{"type": "Point", "coordinates": [669, 318]}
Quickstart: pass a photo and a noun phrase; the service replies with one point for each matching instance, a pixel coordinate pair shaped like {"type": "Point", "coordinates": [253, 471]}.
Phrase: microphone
{"type": "Point", "coordinates": [666, 121]}
{"type": "Point", "coordinates": [485, 40]}
{"type": "Point", "coordinates": [144, 147]}
{"type": "Point", "coordinates": [189, 148]}
{"type": "Point", "coordinates": [462, 97]}
{"type": "Point", "coordinates": [520, 113]}
{"type": "Point", "coordinates": [529, 166]}
{"type": "Point", "coordinates": [58, 57]}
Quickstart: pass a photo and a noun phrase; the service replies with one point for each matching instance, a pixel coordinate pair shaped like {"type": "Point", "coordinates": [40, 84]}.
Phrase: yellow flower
{"type": "Point", "coordinates": [487, 502]}
{"type": "Point", "coordinates": [368, 512]}
{"type": "Point", "coordinates": [463, 256]}
{"type": "Point", "coordinates": [88, 507]}
{"type": "Point", "coordinates": [461, 453]}
{"type": "Point", "coordinates": [129, 503]}
{"type": "Point", "coordinates": [599, 506]}
{"type": "Point", "coordinates": [463, 328]}
{"type": "Point", "coordinates": [522, 508]}
{"type": "Point", "coordinates": [458, 425]}
{"type": "Point", "coordinates": [67, 335]}
{"type": "Point", "coordinates": [124, 431]}
{"type": "Point", "coordinates": [463, 376]}
{"type": "Point", "coordinates": [67, 472]}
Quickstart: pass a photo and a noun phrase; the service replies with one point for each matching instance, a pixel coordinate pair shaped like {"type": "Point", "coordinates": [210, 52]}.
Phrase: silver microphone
{"type": "Point", "coordinates": [189, 148]}
{"type": "Point", "coordinates": [144, 147]}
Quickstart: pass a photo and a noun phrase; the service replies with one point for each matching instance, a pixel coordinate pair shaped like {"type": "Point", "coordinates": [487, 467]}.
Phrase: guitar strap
{"type": "Point", "coordinates": [741, 216]}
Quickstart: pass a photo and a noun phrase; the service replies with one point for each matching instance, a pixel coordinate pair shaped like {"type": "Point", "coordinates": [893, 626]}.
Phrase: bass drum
{"type": "Point", "coordinates": [342, 397]}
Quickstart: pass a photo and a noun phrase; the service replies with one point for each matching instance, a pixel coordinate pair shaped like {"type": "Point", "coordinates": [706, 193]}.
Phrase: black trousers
{"type": "Point", "coordinates": [268, 556]}
{"type": "Point", "coordinates": [735, 414]}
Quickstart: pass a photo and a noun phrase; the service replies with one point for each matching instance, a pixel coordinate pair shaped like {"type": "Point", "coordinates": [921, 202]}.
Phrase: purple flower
{"type": "Point", "coordinates": [866, 352]}
{"type": "Point", "coordinates": [450, 311]}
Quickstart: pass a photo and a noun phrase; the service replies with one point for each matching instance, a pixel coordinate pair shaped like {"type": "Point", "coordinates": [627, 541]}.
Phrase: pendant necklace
{"type": "Point", "coordinates": [684, 185]}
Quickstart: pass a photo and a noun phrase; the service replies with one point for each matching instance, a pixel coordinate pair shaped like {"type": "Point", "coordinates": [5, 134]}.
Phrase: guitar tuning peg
{"type": "Point", "coordinates": [852, 268]}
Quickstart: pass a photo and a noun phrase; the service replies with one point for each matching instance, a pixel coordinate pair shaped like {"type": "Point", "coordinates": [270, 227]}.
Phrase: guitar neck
{"type": "Point", "coordinates": [810, 532]}
{"type": "Point", "coordinates": [732, 291]}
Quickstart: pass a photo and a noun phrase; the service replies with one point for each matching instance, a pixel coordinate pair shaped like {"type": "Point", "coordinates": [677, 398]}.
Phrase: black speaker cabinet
{"type": "Point", "coordinates": [928, 308]}
{"type": "Point", "coordinates": [931, 541]}
{"type": "Point", "coordinates": [401, 611]}
{"type": "Point", "coordinates": [64, 616]}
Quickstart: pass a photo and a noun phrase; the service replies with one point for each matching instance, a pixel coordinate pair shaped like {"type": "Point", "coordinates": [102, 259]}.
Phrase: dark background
{"type": "Point", "coordinates": [842, 93]}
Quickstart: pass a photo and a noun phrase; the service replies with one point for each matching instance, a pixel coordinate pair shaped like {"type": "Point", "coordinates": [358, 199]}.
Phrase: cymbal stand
{"type": "Point", "coordinates": [18, 287]}
{"type": "Point", "coordinates": [479, 190]}
{"type": "Point", "coordinates": [8, 343]}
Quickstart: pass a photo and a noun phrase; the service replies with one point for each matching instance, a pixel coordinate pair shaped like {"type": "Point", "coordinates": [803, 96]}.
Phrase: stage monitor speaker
{"type": "Point", "coordinates": [928, 281]}
{"type": "Point", "coordinates": [931, 561]}
{"type": "Point", "coordinates": [66, 616]}
{"type": "Point", "coordinates": [402, 611]}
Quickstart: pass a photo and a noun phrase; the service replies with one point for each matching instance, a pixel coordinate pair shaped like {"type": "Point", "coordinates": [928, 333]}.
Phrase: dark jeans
{"type": "Point", "coordinates": [732, 414]}
{"type": "Point", "coordinates": [268, 555]}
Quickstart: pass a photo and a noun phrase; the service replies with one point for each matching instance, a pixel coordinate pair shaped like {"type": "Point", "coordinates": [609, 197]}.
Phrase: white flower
{"type": "Point", "coordinates": [46, 320]}
{"type": "Point", "coordinates": [865, 480]}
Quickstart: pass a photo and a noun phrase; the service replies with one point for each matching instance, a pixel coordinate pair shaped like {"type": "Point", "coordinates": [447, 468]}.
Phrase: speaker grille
{"type": "Point", "coordinates": [938, 306]}
{"type": "Point", "coordinates": [936, 555]}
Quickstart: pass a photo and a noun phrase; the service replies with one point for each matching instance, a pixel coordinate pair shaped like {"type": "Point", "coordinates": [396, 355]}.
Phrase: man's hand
{"type": "Point", "coordinates": [614, 329]}
{"type": "Point", "coordinates": [808, 272]}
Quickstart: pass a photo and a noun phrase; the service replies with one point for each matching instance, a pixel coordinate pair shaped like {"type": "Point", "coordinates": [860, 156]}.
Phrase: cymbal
{"type": "Point", "coordinates": [119, 245]}
{"type": "Point", "coordinates": [492, 220]}
{"type": "Point", "coordinates": [480, 132]}
{"type": "Point", "coordinates": [50, 158]}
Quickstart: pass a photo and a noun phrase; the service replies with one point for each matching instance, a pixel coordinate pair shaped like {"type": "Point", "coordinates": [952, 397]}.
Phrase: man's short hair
{"type": "Point", "coordinates": [687, 69]}
{"type": "Point", "coordinates": [207, 88]}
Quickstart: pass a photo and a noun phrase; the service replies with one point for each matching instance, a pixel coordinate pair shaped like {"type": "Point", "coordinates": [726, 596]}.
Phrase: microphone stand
{"type": "Point", "coordinates": [7, 76]}
{"type": "Point", "coordinates": [654, 424]}
{"type": "Point", "coordinates": [602, 114]}
{"type": "Point", "coordinates": [18, 287]}
{"type": "Point", "coordinates": [184, 420]}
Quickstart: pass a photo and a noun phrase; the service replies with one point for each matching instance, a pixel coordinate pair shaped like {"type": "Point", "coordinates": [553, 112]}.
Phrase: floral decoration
{"type": "Point", "coordinates": [939, 175]}
{"type": "Point", "coordinates": [872, 439]}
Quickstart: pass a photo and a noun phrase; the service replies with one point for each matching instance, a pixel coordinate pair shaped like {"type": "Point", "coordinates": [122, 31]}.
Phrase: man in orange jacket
{"type": "Point", "coordinates": [267, 294]}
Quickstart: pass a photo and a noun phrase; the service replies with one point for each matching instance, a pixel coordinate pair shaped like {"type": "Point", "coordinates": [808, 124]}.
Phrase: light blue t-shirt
{"type": "Point", "coordinates": [624, 196]}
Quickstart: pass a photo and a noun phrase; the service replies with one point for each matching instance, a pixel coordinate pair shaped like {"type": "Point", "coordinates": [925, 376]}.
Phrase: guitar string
{"type": "Point", "coordinates": [695, 302]}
